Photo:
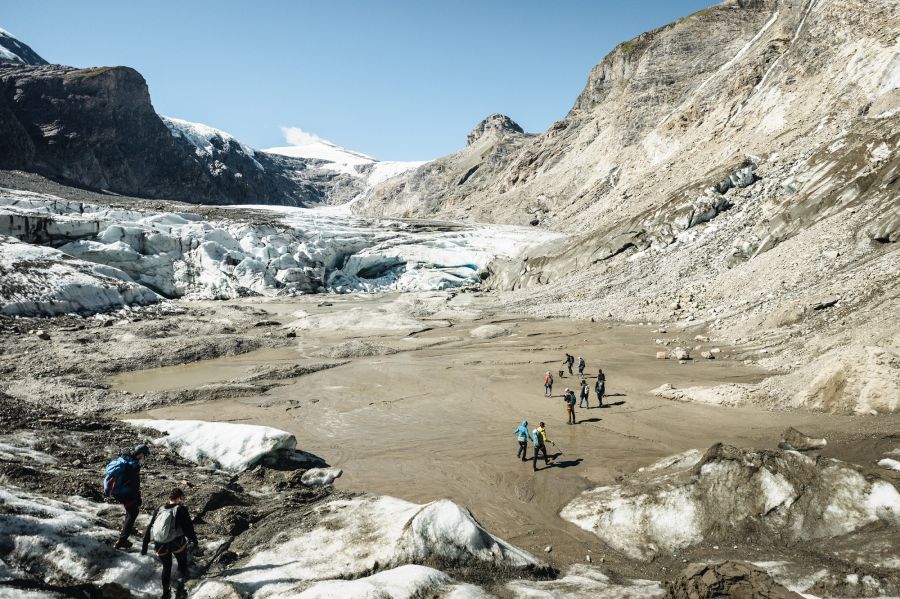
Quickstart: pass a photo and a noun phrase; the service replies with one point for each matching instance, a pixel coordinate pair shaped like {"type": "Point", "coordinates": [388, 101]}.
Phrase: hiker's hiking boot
{"type": "Point", "coordinates": [123, 544]}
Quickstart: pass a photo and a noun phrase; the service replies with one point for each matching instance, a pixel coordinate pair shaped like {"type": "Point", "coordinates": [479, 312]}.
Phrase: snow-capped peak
{"type": "Point", "coordinates": [13, 50]}
{"type": "Point", "coordinates": [303, 144]}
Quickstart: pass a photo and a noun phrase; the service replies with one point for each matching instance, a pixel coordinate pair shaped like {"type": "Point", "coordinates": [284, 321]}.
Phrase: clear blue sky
{"type": "Point", "coordinates": [399, 80]}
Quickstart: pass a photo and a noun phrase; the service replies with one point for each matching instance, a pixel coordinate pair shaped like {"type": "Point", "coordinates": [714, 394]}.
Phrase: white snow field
{"type": "Point", "coordinates": [221, 445]}
{"type": "Point", "coordinates": [66, 542]}
{"type": "Point", "coordinates": [184, 255]}
{"type": "Point", "coordinates": [781, 494]}
{"type": "Point", "coordinates": [356, 536]}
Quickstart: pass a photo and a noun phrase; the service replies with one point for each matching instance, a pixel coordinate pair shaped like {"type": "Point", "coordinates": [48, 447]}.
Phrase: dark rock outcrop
{"type": "Point", "coordinates": [738, 580]}
{"type": "Point", "coordinates": [498, 124]}
{"type": "Point", "coordinates": [97, 128]}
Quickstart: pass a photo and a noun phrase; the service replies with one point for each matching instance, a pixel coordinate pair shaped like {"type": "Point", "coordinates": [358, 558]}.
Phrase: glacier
{"type": "Point", "coordinates": [144, 255]}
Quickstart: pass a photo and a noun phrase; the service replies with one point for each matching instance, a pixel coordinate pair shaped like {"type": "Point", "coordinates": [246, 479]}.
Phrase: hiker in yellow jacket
{"type": "Point", "coordinates": [539, 440]}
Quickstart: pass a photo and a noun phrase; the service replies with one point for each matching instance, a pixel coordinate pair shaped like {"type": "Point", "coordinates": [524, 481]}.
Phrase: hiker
{"type": "Point", "coordinates": [569, 398]}
{"type": "Point", "coordinates": [600, 387]}
{"type": "Point", "coordinates": [521, 434]}
{"type": "Point", "coordinates": [584, 397]}
{"type": "Point", "coordinates": [548, 384]}
{"type": "Point", "coordinates": [580, 366]}
{"type": "Point", "coordinates": [570, 362]}
{"type": "Point", "coordinates": [122, 482]}
{"type": "Point", "coordinates": [539, 440]}
{"type": "Point", "coordinates": [171, 530]}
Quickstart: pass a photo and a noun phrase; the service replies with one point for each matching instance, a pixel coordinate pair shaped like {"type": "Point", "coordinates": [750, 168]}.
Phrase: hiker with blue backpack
{"type": "Point", "coordinates": [172, 532]}
{"type": "Point", "coordinates": [521, 434]}
{"type": "Point", "coordinates": [122, 482]}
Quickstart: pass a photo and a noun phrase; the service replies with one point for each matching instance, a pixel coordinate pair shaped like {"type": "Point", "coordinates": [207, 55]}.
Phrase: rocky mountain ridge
{"type": "Point", "coordinates": [729, 171]}
{"type": "Point", "coordinates": [97, 128]}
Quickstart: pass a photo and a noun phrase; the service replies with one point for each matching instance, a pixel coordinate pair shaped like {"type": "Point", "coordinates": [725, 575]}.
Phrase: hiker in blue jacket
{"type": "Point", "coordinates": [172, 531]}
{"type": "Point", "coordinates": [521, 434]}
{"type": "Point", "coordinates": [123, 483]}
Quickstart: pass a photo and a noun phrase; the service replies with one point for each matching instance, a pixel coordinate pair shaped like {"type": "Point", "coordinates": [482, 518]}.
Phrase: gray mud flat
{"type": "Point", "coordinates": [430, 420]}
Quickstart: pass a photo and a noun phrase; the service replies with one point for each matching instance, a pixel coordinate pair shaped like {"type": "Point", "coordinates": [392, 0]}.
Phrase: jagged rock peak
{"type": "Point", "coordinates": [13, 50]}
{"type": "Point", "coordinates": [496, 123]}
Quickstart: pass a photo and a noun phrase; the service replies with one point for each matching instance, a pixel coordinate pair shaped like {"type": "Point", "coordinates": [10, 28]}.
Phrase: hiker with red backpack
{"type": "Point", "coordinates": [122, 482]}
{"type": "Point", "coordinates": [172, 532]}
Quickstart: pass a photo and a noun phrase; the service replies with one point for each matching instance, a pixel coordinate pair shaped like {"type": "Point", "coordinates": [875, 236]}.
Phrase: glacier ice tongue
{"type": "Point", "coordinates": [299, 251]}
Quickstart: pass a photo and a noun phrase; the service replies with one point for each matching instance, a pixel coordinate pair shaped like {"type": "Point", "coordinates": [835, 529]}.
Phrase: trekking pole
{"type": "Point", "coordinates": [555, 446]}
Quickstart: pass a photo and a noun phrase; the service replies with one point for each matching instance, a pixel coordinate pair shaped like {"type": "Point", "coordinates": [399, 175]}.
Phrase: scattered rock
{"type": "Point", "coordinates": [708, 355]}
{"type": "Point", "coordinates": [680, 353]}
{"type": "Point", "coordinates": [548, 548]}
{"type": "Point", "coordinates": [660, 355]}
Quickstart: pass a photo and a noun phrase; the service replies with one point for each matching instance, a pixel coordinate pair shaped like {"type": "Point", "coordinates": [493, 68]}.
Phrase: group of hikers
{"type": "Point", "coordinates": [584, 394]}
{"type": "Point", "coordinates": [538, 436]}
{"type": "Point", "coordinates": [171, 529]}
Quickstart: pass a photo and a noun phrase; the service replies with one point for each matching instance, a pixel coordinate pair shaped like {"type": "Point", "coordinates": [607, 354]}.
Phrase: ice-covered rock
{"type": "Point", "coordinates": [42, 281]}
{"type": "Point", "coordinates": [66, 543]}
{"type": "Point", "coordinates": [365, 534]}
{"type": "Point", "coordinates": [223, 445]}
{"type": "Point", "coordinates": [794, 439]}
{"type": "Point", "coordinates": [781, 495]}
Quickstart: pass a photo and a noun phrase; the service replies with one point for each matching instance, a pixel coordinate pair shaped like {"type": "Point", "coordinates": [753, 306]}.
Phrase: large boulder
{"type": "Point", "coordinates": [736, 580]}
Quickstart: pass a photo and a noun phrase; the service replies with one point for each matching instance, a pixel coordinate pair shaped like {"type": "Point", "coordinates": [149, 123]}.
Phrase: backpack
{"type": "Point", "coordinates": [164, 529]}
{"type": "Point", "coordinates": [537, 438]}
{"type": "Point", "coordinates": [114, 483]}
{"type": "Point", "coordinates": [570, 398]}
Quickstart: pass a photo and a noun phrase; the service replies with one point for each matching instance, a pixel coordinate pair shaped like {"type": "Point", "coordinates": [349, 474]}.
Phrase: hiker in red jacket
{"type": "Point", "coordinates": [548, 384]}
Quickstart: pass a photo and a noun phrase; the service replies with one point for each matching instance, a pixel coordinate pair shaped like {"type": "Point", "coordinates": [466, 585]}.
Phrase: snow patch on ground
{"type": "Point", "coordinates": [65, 541]}
{"type": "Point", "coordinates": [320, 477]}
{"type": "Point", "coordinates": [889, 464]}
{"type": "Point", "coordinates": [222, 445]}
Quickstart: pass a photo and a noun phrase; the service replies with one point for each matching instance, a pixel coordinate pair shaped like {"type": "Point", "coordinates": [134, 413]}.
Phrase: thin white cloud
{"type": "Point", "coordinates": [295, 136]}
